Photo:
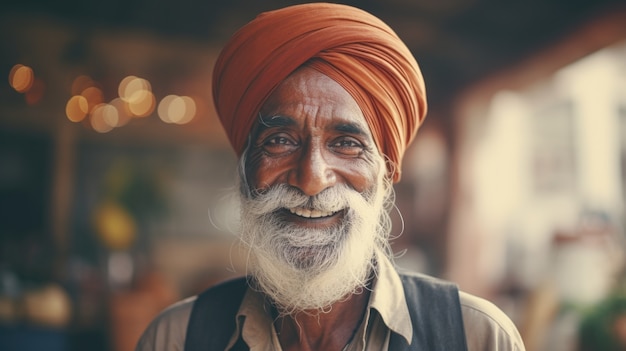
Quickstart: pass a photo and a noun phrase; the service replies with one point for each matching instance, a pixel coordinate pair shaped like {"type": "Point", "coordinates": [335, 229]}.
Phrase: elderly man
{"type": "Point", "coordinates": [320, 102]}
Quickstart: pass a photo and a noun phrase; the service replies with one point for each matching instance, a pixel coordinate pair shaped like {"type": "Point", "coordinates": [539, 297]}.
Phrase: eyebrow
{"type": "Point", "coordinates": [350, 128]}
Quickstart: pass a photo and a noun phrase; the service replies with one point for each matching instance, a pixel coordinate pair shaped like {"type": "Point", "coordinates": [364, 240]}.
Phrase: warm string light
{"type": "Point", "coordinates": [177, 109]}
{"type": "Point", "coordinates": [22, 78]}
{"type": "Point", "coordinates": [137, 93]}
{"type": "Point", "coordinates": [135, 100]}
{"type": "Point", "coordinates": [76, 108]}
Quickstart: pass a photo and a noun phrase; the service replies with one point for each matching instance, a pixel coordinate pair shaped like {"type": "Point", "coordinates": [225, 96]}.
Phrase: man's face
{"type": "Point", "coordinates": [312, 136]}
{"type": "Point", "coordinates": [316, 192]}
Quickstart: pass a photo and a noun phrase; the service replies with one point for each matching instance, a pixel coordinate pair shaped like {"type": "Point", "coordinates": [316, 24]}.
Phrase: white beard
{"type": "Point", "coordinates": [305, 269]}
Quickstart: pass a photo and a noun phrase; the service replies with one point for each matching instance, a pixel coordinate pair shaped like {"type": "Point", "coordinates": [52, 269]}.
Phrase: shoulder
{"type": "Point", "coordinates": [487, 327]}
{"type": "Point", "coordinates": [167, 331]}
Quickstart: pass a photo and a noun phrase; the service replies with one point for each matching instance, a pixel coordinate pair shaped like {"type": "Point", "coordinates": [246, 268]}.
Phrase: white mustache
{"type": "Point", "coordinates": [283, 196]}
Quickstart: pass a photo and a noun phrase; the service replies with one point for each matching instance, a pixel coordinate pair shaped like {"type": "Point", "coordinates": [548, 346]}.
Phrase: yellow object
{"type": "Point", "coordinates": [116, 228]}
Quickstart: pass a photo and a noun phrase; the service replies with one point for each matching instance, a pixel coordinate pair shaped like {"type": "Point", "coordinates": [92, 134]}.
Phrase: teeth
{"type": "Point", "coordinates": [308, 213]}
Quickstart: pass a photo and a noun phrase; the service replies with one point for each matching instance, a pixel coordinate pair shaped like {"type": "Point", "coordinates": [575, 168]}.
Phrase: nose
{"type": "Point", "coordinates": [312, 174]}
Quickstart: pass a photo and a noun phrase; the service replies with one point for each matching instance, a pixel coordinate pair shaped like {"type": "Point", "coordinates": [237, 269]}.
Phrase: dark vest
{"type": "Point", "coordinates": [433, 304]}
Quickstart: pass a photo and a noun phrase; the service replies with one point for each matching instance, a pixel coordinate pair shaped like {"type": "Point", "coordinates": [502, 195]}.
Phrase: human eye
{"type": "Point", "coordinates": [277, 144]}
{"type": "Point", "coordinates": [347, 146]}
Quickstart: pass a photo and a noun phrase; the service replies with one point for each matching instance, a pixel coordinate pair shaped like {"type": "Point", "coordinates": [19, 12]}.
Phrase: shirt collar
{"type": "Point", "coordinates": [389, 300]}
{"type": "Point", "coordinates": [254, 322]}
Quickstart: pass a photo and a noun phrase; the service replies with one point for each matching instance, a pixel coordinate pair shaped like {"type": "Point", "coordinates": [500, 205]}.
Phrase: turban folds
{"type": "Point", "coordinates": [351, 46]}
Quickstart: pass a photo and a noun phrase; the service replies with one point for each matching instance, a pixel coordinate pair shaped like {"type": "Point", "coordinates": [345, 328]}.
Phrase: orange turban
{"type": "Point", "coordinates": [351, 46]}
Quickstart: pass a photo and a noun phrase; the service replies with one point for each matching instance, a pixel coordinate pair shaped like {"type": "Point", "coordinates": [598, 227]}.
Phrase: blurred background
{"type": "Point", "coordinates": [114, 169]}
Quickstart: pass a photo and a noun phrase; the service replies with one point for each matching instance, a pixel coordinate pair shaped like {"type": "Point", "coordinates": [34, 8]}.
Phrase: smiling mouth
{"type": "Point", "coordinates": [311, 213]}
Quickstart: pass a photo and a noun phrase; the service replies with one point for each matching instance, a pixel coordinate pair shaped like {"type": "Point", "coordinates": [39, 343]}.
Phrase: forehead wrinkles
{"type": "Point", "coordinates": [309, 93]}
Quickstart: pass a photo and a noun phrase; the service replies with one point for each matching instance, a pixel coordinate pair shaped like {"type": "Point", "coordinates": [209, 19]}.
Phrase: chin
{"type": "Point", "coordinates": [307, 259]}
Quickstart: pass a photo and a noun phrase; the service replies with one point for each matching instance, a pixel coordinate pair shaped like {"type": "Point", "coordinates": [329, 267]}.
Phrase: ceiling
{"type": "Point", "coordinates": [456, 42]}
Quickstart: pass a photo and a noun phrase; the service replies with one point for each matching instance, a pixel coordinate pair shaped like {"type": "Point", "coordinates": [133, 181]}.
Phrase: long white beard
{"type": "Point", "coordinates": [304, 269]}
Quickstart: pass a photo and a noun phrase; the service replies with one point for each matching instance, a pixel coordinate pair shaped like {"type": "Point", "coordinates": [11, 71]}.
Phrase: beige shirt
{"type": "Point", "coordinates": [487, 328]}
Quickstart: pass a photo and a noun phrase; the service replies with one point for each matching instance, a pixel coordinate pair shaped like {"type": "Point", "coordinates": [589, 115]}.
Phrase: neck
{"type": "Point", "coordinates": [331, 330]}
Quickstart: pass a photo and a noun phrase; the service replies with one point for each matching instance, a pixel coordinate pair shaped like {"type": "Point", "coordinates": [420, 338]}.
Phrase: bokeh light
{"type": "Point", "coordinates": [21, 78]}
{"type": "Point", "coordinates": [136, 99]}
{"type": "Point", "coordinates": [137, 93]}
{"type": "Point", "coordinates": [99, 117]}
{"type": "Point", "coordinates": [133, 88]}
{"type": "Point", "coordinates": [177, 109]}
{"type": "Point", "coordinates": [124, 89]}
{"type": "Point", "coordinates": [123, 112]}
{"type": "Point", "coordinates": [142, 104]}
{"type": "Point", "coordinates": [110, 115]}
{"type": "Point", "coordinates": [76, 108]}
{"type": "Point", "coordinates": [94, 97]}
{"type": "Point", "coordinates": [190, 110]}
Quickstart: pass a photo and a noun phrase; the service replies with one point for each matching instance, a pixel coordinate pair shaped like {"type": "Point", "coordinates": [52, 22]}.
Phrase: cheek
{"type": "Point", "coordinates": [361, 174]}
{"type": "Point", "coordinates": [363, 177]}
{"type": "Point", "coordinates": [262, 171]}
